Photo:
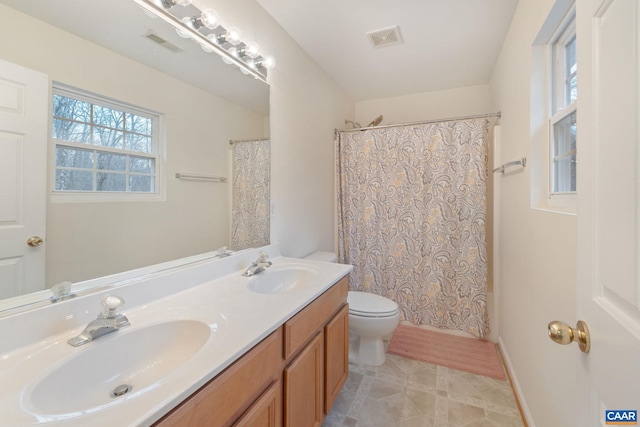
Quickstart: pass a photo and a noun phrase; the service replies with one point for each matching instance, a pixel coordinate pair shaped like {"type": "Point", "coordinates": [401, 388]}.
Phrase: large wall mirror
{"type": "Point", "coordinates": [114, 49]}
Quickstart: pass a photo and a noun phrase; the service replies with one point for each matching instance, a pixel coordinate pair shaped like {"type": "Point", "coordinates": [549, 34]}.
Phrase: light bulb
{"type": "Point", "coordinates": [182, 33]}
{"type": "Point", "coordinates": [207, 48]}
{"type": "Point", "coordinates": [233, 51]}
{"type": "Point", "coordinates": [252, 50]}
{"type": "Point", "coordinates": [269, 62]}
{"type": "Point", "coordinates": [210, 19]}
{"type": "Point", "coordinates": [233, 36]}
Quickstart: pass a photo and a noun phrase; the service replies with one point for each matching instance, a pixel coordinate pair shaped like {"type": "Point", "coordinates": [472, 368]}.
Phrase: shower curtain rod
{"type": "Point", "coordinates": [424, 122]}
{"type": "Point", "coordinates": [236, 141]}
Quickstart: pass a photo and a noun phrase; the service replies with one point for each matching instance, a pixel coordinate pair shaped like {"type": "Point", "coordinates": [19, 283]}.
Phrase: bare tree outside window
{"type": "Point", "coordinates": [102, 148]}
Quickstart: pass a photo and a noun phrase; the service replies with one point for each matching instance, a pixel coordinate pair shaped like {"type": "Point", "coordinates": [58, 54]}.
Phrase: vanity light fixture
{"type": "Point", "coordinates": [168, 4]}
{"type": "Point", "coordinates": [203, 26]}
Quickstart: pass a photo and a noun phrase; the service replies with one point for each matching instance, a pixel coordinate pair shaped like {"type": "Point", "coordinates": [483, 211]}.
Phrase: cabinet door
{"type": "Point", "coordinates": [336, 343]}
{"type": "Point", "coordinates": [266, 411]}
{"type": "Point", "coordinates": [303, 384]}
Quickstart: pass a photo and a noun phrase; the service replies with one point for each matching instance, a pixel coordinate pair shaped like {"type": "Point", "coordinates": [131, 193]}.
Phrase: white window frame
{"type": "Point", "coordinates": [558, 108]}
{"type": "Point", "coordinates": [157, 154]}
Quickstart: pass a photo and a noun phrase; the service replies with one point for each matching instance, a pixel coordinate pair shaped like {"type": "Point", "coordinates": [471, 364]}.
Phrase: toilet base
{"type": "Point", "coordinates": [367, 351]}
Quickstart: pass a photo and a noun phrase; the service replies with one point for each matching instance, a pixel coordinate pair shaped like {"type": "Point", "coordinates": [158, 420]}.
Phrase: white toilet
{"type": "Point", "coordinates": [371, 318]}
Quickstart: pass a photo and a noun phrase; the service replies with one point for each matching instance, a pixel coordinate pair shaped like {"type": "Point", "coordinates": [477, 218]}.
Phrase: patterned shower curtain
{"type": "Point", "coordinates": [411, 219]}
{"type": "Point", "coordinates": [250, 206]}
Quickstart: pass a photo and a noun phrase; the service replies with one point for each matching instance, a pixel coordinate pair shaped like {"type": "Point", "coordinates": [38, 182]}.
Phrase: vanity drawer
{"type": "Point", "coordinates": [302, 327]}
{"type": "Point", "coordinates": [223, 400]}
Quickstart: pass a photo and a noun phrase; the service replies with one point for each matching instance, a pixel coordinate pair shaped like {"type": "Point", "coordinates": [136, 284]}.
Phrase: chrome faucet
{"type": "Point", "coordinates": [106, 322]}
{"type": "Point", "coordinates": [258, 265]}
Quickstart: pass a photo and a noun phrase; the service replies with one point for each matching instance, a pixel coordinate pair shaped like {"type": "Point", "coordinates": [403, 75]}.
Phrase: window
{"type": "Point", "coordinates": [103, 147]}
{"type": "Point", "coordinates": [563, 150]}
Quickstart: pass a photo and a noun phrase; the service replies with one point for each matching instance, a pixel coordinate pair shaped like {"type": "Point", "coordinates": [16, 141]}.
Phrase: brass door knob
{"type": "Point", "coordinates": [562, 333]}
{"type": "Point", "coordinates": [35, 241]}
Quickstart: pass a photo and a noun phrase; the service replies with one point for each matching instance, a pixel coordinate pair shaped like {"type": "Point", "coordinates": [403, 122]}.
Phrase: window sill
{"type": "Point", "coordinates": [106, 197]}
{"type": "Point", "coordinates": [555, 210]}
{"type": "Point", "coordinates": [560, 203]}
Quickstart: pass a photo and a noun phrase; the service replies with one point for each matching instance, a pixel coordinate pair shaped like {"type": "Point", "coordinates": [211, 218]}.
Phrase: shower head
{"type": "Point", "coordinates": [375, 121]}
{"type": "Point", "coordinates": [354, 125]}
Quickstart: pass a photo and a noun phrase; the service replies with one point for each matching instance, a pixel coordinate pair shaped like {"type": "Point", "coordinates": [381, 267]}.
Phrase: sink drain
{"type": "Point", "coordinates": [121, 390]}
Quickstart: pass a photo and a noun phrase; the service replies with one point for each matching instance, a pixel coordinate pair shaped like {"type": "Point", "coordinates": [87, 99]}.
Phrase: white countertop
{"type": "Point", "coordinates": [214, 293]}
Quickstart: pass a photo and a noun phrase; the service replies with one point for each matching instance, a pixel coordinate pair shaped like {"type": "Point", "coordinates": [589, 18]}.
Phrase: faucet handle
{"type": "Point", "coordinates": [262, 256]}
{"type": "Point", "coordinates": [110, 304]}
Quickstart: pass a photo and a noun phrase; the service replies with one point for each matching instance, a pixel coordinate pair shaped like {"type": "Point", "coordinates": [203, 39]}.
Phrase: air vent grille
{"type": "Point", "coordinates": [151, 35]}
{"type": "Point", "coordinates": [385, 37]}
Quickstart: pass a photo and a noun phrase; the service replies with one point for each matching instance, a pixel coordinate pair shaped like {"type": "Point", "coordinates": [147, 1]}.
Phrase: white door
{"type": "Point", "coordinates": [24, 95]}
{"type": "Point", "coordinates": [608, 206]}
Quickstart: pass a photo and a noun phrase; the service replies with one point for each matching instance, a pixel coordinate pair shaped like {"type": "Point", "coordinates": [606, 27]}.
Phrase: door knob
{"type": "Point", "coordinates": [562, 333]}
{"type": "Point", "coordinates": [35, 241]}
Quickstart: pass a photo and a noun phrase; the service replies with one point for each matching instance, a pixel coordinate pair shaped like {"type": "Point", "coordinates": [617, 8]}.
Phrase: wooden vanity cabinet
{"type": "Point", "coordinates": [290, 379]}
{"type": "Point", "coordinates": [316, 357]}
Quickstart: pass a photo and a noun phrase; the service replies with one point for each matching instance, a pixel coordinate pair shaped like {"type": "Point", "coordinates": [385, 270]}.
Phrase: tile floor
{"type": "Point", "coordinates": [409, 393]}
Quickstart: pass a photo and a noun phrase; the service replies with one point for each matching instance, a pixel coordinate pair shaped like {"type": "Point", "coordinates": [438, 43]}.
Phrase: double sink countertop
{"type": "Point", "coordinates": [188, 324]}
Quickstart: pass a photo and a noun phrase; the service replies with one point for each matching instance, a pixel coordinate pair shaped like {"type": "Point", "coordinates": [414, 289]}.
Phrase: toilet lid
{"type": "Point", "coordinates": [367, 304]}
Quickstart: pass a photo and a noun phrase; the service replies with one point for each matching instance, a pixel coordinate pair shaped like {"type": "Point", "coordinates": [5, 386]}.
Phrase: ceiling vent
{"type": "Point", "coordinates": [151, 35]}
{"type": "Point", "coordinates": [385, 37]}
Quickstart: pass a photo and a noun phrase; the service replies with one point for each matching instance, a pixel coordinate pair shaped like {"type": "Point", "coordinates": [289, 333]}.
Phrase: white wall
{"type": "Point", "coordinates": [305, 108]}
{"type": "Point", "coordinates": [537, 249]}
{"type": "Point", "coordinates": [440, 104]}
{"type": "Point", "coordinates": [86, 240]}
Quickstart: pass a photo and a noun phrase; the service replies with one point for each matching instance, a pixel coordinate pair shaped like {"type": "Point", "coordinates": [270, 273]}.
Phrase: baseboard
{"type": "Point", "coordinates": [520, 400]}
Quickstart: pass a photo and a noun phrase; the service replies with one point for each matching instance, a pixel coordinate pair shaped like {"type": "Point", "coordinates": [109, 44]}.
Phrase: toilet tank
{"type": "Point", "coordinates": [322, 256]}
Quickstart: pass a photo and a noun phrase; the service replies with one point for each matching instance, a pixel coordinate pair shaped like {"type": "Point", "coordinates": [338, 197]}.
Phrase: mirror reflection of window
{"type": "Point", "coordinates": [102, 145]}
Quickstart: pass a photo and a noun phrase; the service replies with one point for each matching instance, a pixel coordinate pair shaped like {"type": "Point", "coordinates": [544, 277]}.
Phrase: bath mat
{"type": "Point", "coordinates": [465, 354]}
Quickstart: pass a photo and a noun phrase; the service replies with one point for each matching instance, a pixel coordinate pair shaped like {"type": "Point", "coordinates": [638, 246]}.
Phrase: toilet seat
{"type": "Point", "coordinates": [365, 304]}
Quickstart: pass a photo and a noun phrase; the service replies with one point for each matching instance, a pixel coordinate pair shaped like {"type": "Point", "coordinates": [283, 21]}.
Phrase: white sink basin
{"type": "Point", "coordinates": [137, 358]}
{"type": "Point", "coordinates": [282, 279]}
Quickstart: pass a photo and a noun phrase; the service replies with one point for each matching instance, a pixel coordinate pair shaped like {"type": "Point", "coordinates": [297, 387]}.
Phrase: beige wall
{"type": "Point", "coordinates": [440, 104]}
{"type": "Point", "coordinates": [86, 240]}
{"type": "Point", "coordinates": [536, 277]}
